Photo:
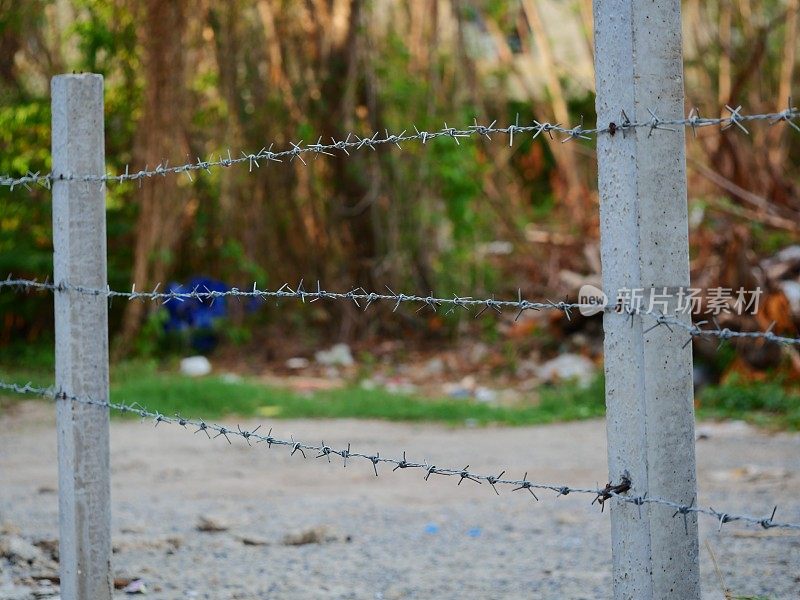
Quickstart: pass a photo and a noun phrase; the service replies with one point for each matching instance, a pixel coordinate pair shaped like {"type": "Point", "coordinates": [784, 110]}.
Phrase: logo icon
{"type": "Point", "coordinates": [592, 300]}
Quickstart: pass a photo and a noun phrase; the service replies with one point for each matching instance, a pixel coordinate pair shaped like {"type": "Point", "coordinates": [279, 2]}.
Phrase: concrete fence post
{"type": "Point", "coordinates": [81, 325]}
{"type": "Point", "coordinates": [644, 245]}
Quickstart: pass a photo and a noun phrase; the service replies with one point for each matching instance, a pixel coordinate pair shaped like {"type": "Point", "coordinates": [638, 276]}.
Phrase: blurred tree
{"type": "Point", "coordinates": [161, 137]}
{"type": "Point", "coordinates": [193, 78]}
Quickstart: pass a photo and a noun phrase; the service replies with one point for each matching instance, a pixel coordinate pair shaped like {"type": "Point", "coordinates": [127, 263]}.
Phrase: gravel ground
{"type": "Point", "coordinates": [389, 537]}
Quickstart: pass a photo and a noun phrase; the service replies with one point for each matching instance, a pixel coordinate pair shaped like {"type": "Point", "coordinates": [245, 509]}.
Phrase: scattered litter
{"type": "Point", "coordinates": [400, 386]}
{"type": "Point", "coordinates": [121, 582]}
{"type": "Point", "coordinates": [297, 363]}
{"type": "Point", "coordinates": [49, 547]}
{"type": "Point", "coordinates": [565, 367]}
{"type": "Point", "coordinates": [434, 367]}
{"type": "Point", "coordinates": [474, 532]}
{"type": "Point", "coordinates": [783, 264]}
{"type": "Point", "coordinates": [368, 384]}
{"type": "Point", "coordinates": [46, 591]}
{"type": "Point", "coordinates": [133, 528]}
{"type": "Point", "coordinates": [18, 550]}
{"type": "Point", "coordinates": [486, 395]}
{"type": "Point", "coordinates": [431, 528]}
{"type": "Point", "coordinates": [461, 390]}
{"type": "Point", "coordinates": [174, 542]}
{"type": "Point", "coordinates": [253, 541]}
{"type": "Point", "coordinates": [315, 535]}
{"type": "Point", "coordinates": [496, 248]}
{"type": "Point", "coordinates": [791, 289]}
{"type": "Point", "coordinates": [136, 586]}
{"type": "Point", "coordinates": [456, 391]}
{"type": "Point", "coordinates": [393, 385]}
{"type": "Point", "coordinates": [211, 525]}
{"type": "Point", "coordinates": [338, 355]}
{"type": "Point", "coordinates": [195, 366]}
{"type": "Point", "coordinates": [478, 353]}
{"type": "Point", "coordinates": [467, 388]}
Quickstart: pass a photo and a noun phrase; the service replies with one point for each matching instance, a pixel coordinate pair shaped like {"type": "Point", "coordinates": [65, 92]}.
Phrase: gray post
{"type": "Point", "coordinates": [79, 242]}
{"type": "Point", "coordinates": [644, 237]}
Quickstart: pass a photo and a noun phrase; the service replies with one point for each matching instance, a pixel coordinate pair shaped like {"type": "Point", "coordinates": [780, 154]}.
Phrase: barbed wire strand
{"type": "Point", "coordinates": [324, 451]}
{"type": "Point", "coordinates": [352, 141]}
{"type": "Point", "coordinates": [357, 296]}
{"type": "Point", "coordinates": [364, 299]}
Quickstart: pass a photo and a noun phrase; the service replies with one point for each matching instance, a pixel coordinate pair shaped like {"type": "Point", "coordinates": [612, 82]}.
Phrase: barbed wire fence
{"type": "Point", "coordinates": [81, 315]}
{"type": "Point", "coordinates": [364, 299]}
{"type": "Point", "coordinates": [322, 450]}
{"type": "Point", "coordinates": [355, 142]}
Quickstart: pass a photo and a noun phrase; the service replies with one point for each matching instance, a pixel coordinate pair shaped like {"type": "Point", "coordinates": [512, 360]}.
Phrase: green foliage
{"type": "Point", "coordinates": [771, 403]}
{"type": "Point", "coordinates": [569, 401]}
{"type": "Point", "coordinates": [152, 341]}
{"type": "Point", "coordinates": [238, 335]}
{"type": "Point", "coordinates": [439, 186]}
{"type": "Point", "coordinates": [430, 212]}
{"type": "Point", "coordinates": [767, 242]}
{"type": "Point", "coordinates": [217, 396]}
{"type": "Point", "coordinates": [25, 230]}
{"type": "Point", "coordinates": [233, 253]}
{"type": "Point", "coordinates": [214, 396]}
{"type": "Point", "coordinates": [432, 207]}
{"type": "Point", "coordinates": [104, 35]}
{"type": "Point", "coordinates": [28, 362]}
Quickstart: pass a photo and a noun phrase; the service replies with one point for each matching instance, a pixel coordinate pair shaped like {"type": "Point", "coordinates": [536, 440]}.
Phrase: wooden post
{"type": "Point", "coordinates": [644, 245]}
{"type": "Point", "coordinates": [81, 323]}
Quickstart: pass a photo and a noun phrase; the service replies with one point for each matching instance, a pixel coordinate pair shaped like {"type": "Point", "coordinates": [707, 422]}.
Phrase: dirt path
{"type": "Point", "coordinates": [395, 536]}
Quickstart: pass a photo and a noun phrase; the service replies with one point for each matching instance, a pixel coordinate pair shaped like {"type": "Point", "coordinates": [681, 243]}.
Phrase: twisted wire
{"type": "Point", "coordinates": [325, 451]}
{"type": "Point", "coordinates": [359, 296]}
{"type": "Point", "coordinates": [298, 150]}
{"type": "Point", "coordinates": [364, 299]}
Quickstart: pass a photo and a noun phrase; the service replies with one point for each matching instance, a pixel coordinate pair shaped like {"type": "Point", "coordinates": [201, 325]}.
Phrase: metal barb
{"type": "Point", "coordinates": [359, 295]}
{"type": "Point", "coordinates": [684, 511]}
{"type": "Point", "coordinates": [600, 495]}
{"type": "Point", "coordinates": [611, 490]}
{"type": "Point", "coordinates": [353, 142]}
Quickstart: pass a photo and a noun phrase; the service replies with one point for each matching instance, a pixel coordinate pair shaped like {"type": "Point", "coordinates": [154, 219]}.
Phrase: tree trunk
{"type": "Point", "coordinates": [160, 137]}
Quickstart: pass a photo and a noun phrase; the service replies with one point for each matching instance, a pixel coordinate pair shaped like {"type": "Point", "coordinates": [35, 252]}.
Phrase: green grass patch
{"type": "Point", "coordinates": [22, 363]}
{"type": "Point", "coordinates": [213, 397]}
{"type": "Point", "coordinates": [773, 404]}
{"type": "Point", "coordinates": [769, 404]}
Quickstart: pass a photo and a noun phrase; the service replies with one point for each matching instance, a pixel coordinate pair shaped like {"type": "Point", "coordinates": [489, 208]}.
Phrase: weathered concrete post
{"type": "Point", "coordinates": [644, 237]}
{"type": "Point", "coordinates": [79, 242]}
